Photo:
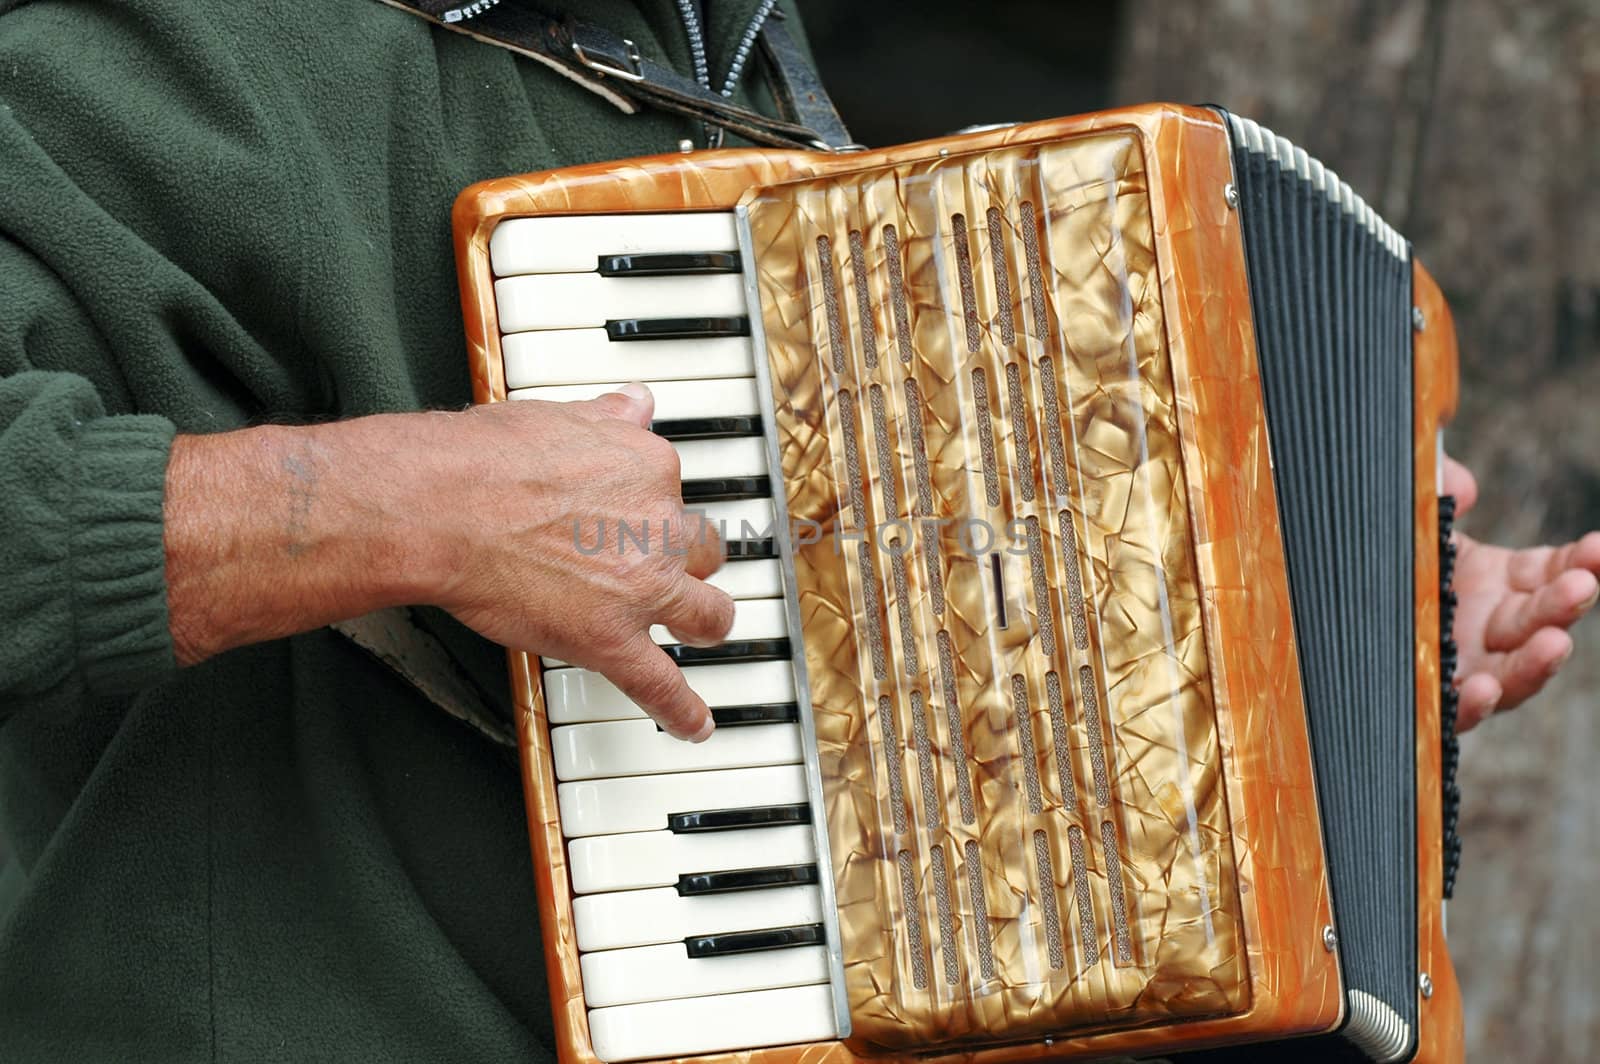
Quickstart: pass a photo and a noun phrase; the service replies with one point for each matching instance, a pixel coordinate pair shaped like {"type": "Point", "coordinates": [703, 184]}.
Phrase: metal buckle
{"type": "Point", "coordinates": [607, 68]}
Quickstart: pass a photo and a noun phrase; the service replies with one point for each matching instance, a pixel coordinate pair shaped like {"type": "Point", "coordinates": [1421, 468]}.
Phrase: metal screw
{"type": "Point", "coordinates": [1230, 196]}
{"type": "Point", "coordinates": [686, 145]}
{"type": "Point", "coordinates": [1425, 984]}
{"type": "Point", "coordinates": [1330, 941]}
{"type": "Point", "coordinates": [1419, 320]}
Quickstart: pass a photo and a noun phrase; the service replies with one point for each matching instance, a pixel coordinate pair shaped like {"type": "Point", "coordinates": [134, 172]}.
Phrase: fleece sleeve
{"type": "Point", "coordinates": [82, 593]}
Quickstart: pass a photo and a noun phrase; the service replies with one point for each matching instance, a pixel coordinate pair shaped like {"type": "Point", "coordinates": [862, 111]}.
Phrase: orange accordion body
{"type": "Point", "coordinates": [1090, 441]}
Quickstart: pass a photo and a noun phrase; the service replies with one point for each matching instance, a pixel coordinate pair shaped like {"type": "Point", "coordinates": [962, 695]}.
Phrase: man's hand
{"type": "Point", "coordinates": [1515, 607]}
{"type": "Point", "coordinates": [510, 516]}
{"type": "Point", "coordinates": [550, 568]}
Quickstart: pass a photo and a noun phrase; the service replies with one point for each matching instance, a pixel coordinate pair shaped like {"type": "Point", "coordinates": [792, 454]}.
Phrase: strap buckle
{"type": "Point", "coordinates": [608, 66]}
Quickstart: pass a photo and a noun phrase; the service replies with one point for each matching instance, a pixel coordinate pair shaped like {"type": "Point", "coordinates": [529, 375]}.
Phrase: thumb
{"type": "Point", "coordinates": [631, 402]}
{"type": "Point", "coordinates": [1459, 481]}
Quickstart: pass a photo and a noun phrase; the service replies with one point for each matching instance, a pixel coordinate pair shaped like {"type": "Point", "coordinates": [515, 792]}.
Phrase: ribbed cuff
{"type": "Point", "coordinates": [118, 562]}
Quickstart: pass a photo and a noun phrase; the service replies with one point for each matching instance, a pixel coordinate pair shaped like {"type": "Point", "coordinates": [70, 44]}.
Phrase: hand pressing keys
{"type": "Point", "coordinates": [509, 515]}
{"type": "Point", "coordinates": [553, 573]}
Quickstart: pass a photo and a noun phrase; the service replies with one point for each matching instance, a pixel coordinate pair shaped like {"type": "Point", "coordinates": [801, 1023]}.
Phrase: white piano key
{"type": "Point", "coordinates": [740, 518]}
{"type": "Point", "coordinates": [758, 579]}
{"type": "Point", "coordinates": [656, 973]}
{"type": "Point", "coordinates": [638, 748]}
{"type": "Point", "coordinates": [743, 456]}
{"type": "Point", "coordinates": [661, 914]}
{"type": "Point", "coordinates": [577, 695]}
{"type": "Point", "coordinates": [675, 399]}
{"type": "Point", "coordinates": [575, 243]}
{"type": "Point", "coordinates": [584, 356]}
{"type": "Point", "coordinates": [643, 803]}
{"type": "Point", "coordinates": [588, 300]}
{"type": "Point", "coordinates": [752, 619]}
{"type": "Point", "coordinates": [756, 619]}
{"type": "Point", "coordinates": [689, 1027]}
{"type": "Point", "coordinates": [658, 858]}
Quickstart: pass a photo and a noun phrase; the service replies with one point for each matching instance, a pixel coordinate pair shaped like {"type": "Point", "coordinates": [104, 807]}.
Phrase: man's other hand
{"type": "Point", "coordinates": [1515, 607]}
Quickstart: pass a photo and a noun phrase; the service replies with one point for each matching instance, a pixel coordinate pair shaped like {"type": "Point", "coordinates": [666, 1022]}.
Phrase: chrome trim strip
{"type": "Point", "coordinates": [808, 724]}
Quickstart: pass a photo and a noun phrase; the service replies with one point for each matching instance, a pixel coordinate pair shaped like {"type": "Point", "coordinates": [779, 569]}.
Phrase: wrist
{"type": "Point", "coordinates": [399, 485]}
{"type": "Point", "coordinates": [276, 530]}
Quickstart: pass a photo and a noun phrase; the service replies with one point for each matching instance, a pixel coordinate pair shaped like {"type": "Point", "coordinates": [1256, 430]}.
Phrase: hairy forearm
{"type": "Point", "coordinates": [276, 530]}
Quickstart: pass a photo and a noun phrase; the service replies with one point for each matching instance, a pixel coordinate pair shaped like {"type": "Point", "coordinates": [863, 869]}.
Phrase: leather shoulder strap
{"type": "Point", "coordinates": [614, 67]}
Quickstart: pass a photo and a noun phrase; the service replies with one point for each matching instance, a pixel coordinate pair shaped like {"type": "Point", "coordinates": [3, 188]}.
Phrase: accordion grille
{"type": "Point", "coordinates": [993, 556]}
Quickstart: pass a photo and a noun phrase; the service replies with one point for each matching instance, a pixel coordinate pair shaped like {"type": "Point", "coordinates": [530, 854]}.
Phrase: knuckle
{"type": "Point", "coordinates": [658, 457]}
{"type": "Point", "coordinates": [657, 687]}
{"type": "Point", "coordinates": [719, 611]}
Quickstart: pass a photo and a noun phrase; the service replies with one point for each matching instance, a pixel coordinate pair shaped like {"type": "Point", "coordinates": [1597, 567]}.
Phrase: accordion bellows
{"type": "Point", "coordinates": [1061, 713]}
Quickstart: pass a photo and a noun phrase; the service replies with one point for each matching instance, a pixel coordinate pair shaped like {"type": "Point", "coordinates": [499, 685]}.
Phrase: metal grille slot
{"type": "Point", "coordinates": [889, 732]}
{"type": "Point", "coordinates": [1047, 900]}
{"type": "Point", "coordinates": [1069, 551]}
{"type": "Point", "coordinates": [888, 468]}
{"type": "Point", "coordinates": [858, 270]}
{"type": "Point", "coordinates": [980, 911]}
{"type": "Point", "coordinates": [1119, 901]}
{"type": "Point", "coordinates": [897, 293]}
{"type": "Point", "coordinates": [980, 401]}
{"type": "Point", "coordinates": [952, 712]}
{"type": "Point", "coordinates": [969, 294]}
{"type": "Point", "coordinates": [902, 602]}
{"type": "Point", "coordinates": [1002, 277]}
{"type": "Point", "coordinates": [1097, 749]}
{"type": "Point", "coordinates": [1080, 889]}
{"type": "Point", "coordinates": [919, 449]}
{"type": "Point", "coordinates": [1059, 738]}
{"type": "Point", "coordinates": [909, 901]}
{"type": "Point", "coordinates": [1030, 766]}
{"type": "Point", "coordinates": [932, 808]}
{"type": "Point", "coordinates": [1020, 436]}
{"type": "Point", "coordinates": [830, 302]}
{"type": "Point", "coordinates": [874, 612]}
{"type": "Point", "coordinates": [1052, 426]}
{"type": "Point", "coordinates": [948, 951]}
{"type": "Point", "coordinates": [1044, 615]}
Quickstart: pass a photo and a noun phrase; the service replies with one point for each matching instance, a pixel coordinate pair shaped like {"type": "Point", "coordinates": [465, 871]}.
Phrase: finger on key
{"type": "Point", "coordinates": [704, 551]}
{"type": "Point", "coordinates": [644, 673]}
{"type": "Point", "coordinates": [700, 615]}
{"type": "Point", "coordinates": [631, 402]}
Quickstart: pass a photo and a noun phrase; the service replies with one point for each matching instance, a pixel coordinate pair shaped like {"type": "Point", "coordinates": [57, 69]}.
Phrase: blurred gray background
{"type": "Point", "coordinates": [1474, 127]}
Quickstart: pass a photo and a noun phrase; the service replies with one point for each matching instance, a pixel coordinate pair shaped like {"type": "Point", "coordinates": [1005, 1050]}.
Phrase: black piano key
{"type": "Point", "coordinates": [754, 941]}
{"type": "Point", "coordinates": [629, 329]}
{"type": "Point", "coordinates": [795, 875]}
{"type": "Point", "coordinates": [742, 550]}
{"type": "Point", "coordinates": [727, 489]}
{"type": "Point", "coordinates": [708, 428]}
{"type": "Point", "coordinates": [755, 816]}
{"type": "Point", "coordinates": [764, 713]}
{"type": "Point", "coordinates": [669, 264]}
{"type": "Point", "coordinates": [723, 653]}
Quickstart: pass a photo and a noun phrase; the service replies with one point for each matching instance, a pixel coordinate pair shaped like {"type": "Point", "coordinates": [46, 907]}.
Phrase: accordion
{"type": "Point", "coordinates": [1089, 689]}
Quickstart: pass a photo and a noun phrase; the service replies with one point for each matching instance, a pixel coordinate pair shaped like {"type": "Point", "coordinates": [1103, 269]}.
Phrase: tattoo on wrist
{"type": "Point", "coordinates": [303, 477]}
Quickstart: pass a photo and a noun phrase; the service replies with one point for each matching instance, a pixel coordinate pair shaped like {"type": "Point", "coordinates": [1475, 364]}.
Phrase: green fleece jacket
{"type": "Point", "coordinates": [215, 213]}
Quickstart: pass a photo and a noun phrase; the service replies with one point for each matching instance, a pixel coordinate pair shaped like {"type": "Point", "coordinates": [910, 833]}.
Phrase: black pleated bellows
{"type": "Point", "coordinates": [1331, 300]}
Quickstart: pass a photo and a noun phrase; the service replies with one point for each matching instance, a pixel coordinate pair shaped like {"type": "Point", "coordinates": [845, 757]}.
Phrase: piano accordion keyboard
{"type": "Point", "coordinates": [672, 915]}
